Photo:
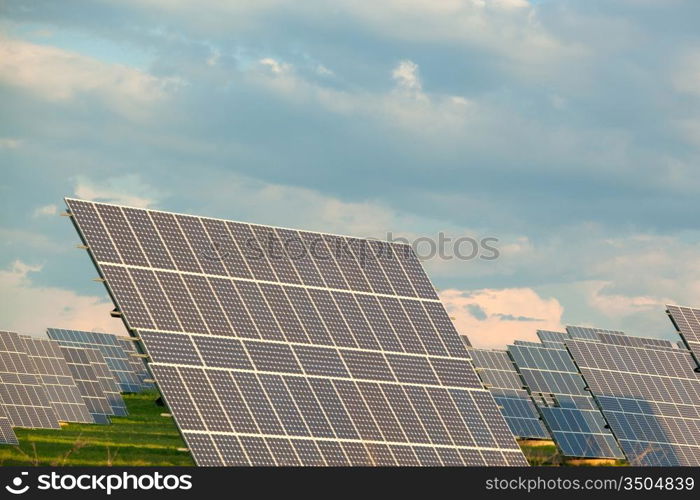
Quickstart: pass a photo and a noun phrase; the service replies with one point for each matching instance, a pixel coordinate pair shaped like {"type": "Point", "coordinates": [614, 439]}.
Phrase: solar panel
{"type": "Point", "coordinates": [687, 322]}
{"type": "Point", "coordinates": [497, 371]}
{"type": "Point", "coordinates": [21, 393]}
{"type": "Point", "coordinates": [7, 435]}
{"type": "Point", "coordinates": [568, 409]}
{"type": "Point", "coordinates": [56, 377]}
{"type": "Point", "coordinates": [107, 382]}
{"type": "Point", "coordinates": [90, 387]}
{"type": "Point", "coordinates": [118, 361]}
{"type": "Point", "coordinates": [280, 347]}
{"type": "Point", "coordinates": [650, 396]}
{"type": "Point", "coordinates": [138, 365]}
{"type": "Point", "coordinates": [588, 333]}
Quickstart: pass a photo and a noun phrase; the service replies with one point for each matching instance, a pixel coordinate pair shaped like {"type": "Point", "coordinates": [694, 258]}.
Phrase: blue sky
{"type": "Point", "coordinates": [568, 130]}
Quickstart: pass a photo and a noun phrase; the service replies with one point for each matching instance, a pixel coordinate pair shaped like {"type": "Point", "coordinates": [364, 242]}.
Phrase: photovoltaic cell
{"type": "Point", "coordinates": [110, 347]}
{"type": "Point", "coordinates": [55, 376]}
{"type": "Point", "coordinates": [567, 408]}
{"type": "Point", "coordinates": [499, 375]}
{"type": "Point", "coordinates": [22, 395]}
{"type": "Point", "coordinates": [296, 348]}
{"type": "Point", "coordinates": [649, 395]}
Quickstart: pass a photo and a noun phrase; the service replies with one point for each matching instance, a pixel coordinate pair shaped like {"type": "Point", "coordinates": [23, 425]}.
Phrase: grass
{"type": "Point", "coordinates": [545, 454]}
{"type": "Point", "coordinates": [141, 438]}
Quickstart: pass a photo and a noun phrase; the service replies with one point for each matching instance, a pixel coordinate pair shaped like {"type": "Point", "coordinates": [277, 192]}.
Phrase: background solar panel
{"type": "Point", "coordinates": [559, 391]}
{"type": "Point", "coordinates": [687, 322]}
{"type": "Point", "coordinates": [499, 375]}
{"type": "Point", "coordinates": [107, 383]}
{"type": "Point", "coordinates": [88, 384]}
{"type": "Point", "coordinates": [118, 361]}
{"type": "Point", "coordinates": [138, 365]}
{"type": "Point", "coordinates": [650, 396]}
{"type": "Point", "coordinates": [56, 377]}
{"type": "Point", "coordinates": [362, 312]}
{"type": "Point", "coordinates": [21, 393]}
{"type": "Point", "coordinates": [7, 435]}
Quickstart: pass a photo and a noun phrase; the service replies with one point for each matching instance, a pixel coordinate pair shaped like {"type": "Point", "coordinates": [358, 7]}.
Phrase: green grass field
{"type": "Point", "coordinates": [142, 438]}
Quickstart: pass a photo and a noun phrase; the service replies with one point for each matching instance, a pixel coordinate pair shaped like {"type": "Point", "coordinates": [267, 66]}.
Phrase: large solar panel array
{"type": "Point", "coordinates": [22, 395]}
{"type": "Point", "coordinates": [7, 435]}
{"type": "Point", "coordinates": [499, 375]}
{"type": "Point", "coordinates": [649, 393]}
{"type": "Point", "coordinates": [687, 322]}
{"type": "Point", "coordinates": [559, 391]}
{"type": "Point", "coordinates": [281, 347]}
{"type": "Point", "coordinates": [55, 376]}
{"type": "Point", "coordinates": [118, 361]}
{"type": "Point", "coordinates": [88, 384]}
{"type": "Point", "coordinates": [138, 365]}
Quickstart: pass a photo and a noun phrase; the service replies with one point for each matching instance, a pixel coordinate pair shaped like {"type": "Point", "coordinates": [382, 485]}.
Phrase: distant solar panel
{"type": "Point", "coordinates": [649, 395]}
{"type": "Point", "coordinates": [90, 387]}
{"type": "Point", "coordinates": [280, 347]}
{"type": "Point", "coordinates": [138, 365]}
{"type": "Point", "coordinates": [7, 435]}
{"type": "Point", "coordinates": [56, 377]}
{"type": "Point", "coordinates": [497, 371]}
{"type": "Point", "coordinates": [687, 322]}
{"type": "Point", "coordinates": [107, 382]}
{"type": "Point", "coordinates": [569, 411]}
{"type": "Point", "coordinates": [22, 395]}
{"type": "Point", "coordinates": [112, 350]}
{"type": "Point", "coordinates": [588, 333]}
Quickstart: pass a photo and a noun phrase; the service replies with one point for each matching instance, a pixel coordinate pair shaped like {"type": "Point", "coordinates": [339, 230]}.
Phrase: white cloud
{"type": "Point", "coordinates": [45, 210]}
{"type": "Point", "coordinates": [406, 76]}
{"type": "Point", "coordinates": [274, 66]}
{"type": "Point", "coordinates": [59, 75]}
{"type": "Point", "coordinates": [9, 142]}
{"type": "Point", "coordinates": [26, 307]}
{"type": "Point", "coordinates": [128, 190]}
{"type": "Point", "coordinates": [495, 318]}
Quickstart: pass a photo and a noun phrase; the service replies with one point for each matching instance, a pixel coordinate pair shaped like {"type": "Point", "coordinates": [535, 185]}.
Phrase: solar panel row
{"type": "Point", "coordinates": [274, 346]}
{"type": "Point", "coordinates": [559, 391]}
{"type": "Point", "coordinates": [52, 369]}
{"type": "Point", "coordinates": [499, 375]}
{"type": "Point", "coordinates": [22, 394]}
{"type": "Point", "coordinates": [650, 396]}
{"type": "Point", "coordinates": [118, 361]}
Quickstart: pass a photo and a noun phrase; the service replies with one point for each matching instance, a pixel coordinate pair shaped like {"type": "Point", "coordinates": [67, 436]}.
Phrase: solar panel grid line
{"type": "Point", "coordinates": [346, 311]}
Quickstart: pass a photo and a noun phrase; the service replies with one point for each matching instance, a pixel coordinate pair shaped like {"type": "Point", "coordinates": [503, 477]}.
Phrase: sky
{"type": "Point", "coordinates": [568, 130]}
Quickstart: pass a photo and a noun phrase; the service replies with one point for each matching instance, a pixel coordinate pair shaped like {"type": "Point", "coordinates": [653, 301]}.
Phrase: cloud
{"type": "Point", "coordinates": [57, 75]}
{"type": "Point", "coordinates": [406, 77]}
{"type": "Point", "coordinates": [9, 142]}
{"type": "Point", "coordinates": [30, 308]}
{"type": "Point", "coordinates": [45, 210]}
{"type": "Point", "coordinates": [502, 315]}
{"type": "Point", "coordinates": [128, 190]}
